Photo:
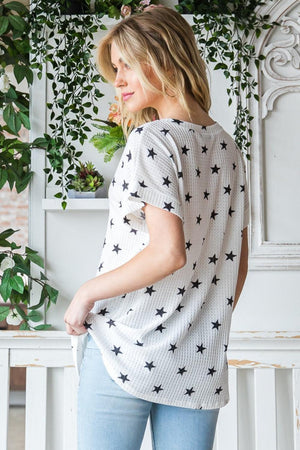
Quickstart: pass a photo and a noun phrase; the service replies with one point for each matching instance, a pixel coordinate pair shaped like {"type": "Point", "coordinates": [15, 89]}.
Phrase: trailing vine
{"type": "Point", "coordinates": [222, 29]}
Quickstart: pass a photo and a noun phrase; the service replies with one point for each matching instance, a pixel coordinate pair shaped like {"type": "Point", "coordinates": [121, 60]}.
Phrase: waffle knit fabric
{"type": "Point", "coordinates": [167, 343]}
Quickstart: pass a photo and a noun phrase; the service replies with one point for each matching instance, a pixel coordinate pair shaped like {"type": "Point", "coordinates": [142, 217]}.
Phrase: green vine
{"type": "Point", "coordinates": [222, 29]}
{"type": "Point", "coordinates": [16, 276]}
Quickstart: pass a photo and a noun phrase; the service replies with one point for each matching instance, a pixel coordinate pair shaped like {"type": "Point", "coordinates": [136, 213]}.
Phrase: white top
{"type": "Point", "coordinates": [167, 343]}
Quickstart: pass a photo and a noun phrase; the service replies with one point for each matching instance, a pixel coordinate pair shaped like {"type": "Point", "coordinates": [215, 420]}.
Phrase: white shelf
{"type": "Point", "coordinates": [75, 204]}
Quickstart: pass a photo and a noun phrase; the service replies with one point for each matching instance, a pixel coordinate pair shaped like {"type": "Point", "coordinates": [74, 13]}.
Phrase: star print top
{"type": "Point", "coordinates": [167, 342]}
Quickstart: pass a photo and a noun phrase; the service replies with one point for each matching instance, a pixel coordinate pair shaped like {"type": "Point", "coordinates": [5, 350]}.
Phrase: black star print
{"type": "Point", "coordinates": [230, 256]}
{"type": "Point", "coordinates": [181, 370]}
{"type": "Point", "coordinates": [200, 348]}
{"type": "Point", "coordinates": [227, 189]}
{"type": "Point", "coordinates": [165, 131]}
{"type": "Point", "coordinates": [87, 326]}
{"type": "Point", "coordinates": [198, 219]}
{"type": "Point", "coordinates": [213, 214]}
{"type": "Point", "coordinates": [111, 223]}
{"type": "Point", "coordinates": [116, 350]}
{"type": "Point", "coordinates": [189, 325]}
{"type": "Point", "coordinates": [104, 242]}
{"type": "Point", "coordinates": [103, 311]}
{"type": "Point", "coordinates": [179, 307]}
{"type": "Point", "coordinates": [142, 184]}
{"type": "Point", "coordinates": [149, 365]}
{"type": "Point", "coordinates": [124, 377]}
{"type": "Point", "coordinates": [100, 267]}
{"type": "Point", "coordinates": [189, 392]}
{"type": "Point", "coordinates": [223, 145]}
{"type": "Point", "coordinates": [139, 130]}
{"type": "Point", "coordinates": [172, 348]}
{"type": "Point", "coordinates": [125, 185]}
{"type": "Point", "coordinates": [206, 194]}
{"type": "Point", "coordinates": [130, 309]}
{"type": "Point", "coordinates": [225, 345]}
{"type": "Point", "coordinates": [230, 301]}
{"type": "Point", "coordinates": [215, 280]}
{"type": "Point", "coordinates": [185, 150]}
{"type": "Point", "coordinates": [180, 175]}
{"type": "Point", "coordinates": [234, 166]}
{"type": "Point", "coordinates": [177, 121]}
{"type": "Point", "coordinates": [242, 186]}
{"type": "Point", "coordinates": [149, 290]}
{"type": "Point", "coordinates": [231, 211]}
{"type": "Point", "coordinates": [111, 323]}
{"type": "Point", "coordinates": [160, 328]}
{"type": "Point", "coordinates": [216, 325]}
{"type": "Point", "coordinates": [160, 312]}
{"type": "Point", "coordinates": [151, 153]}
{"type": "Point", "coordinates": [172, 156]}
{"type": "Point", "coordinates": [188, 197]}
{"type": "Point", "coordinates": [203, 127]}
{"type": "Point", "coordinates": [213, 259]}
{"type": "Point", "coordinates": [116, 248]}
{"type": "Point", "coordinates": [211, 371]}
{"type": "Point", "coordinates": [198, 172]}
{"type": "Point", "coordinates": [120, 204]}
{"type": "Point", "coordinates": [181, 291]}
{"type": "Point", "coordinates": [157, 389]}
{"type": "Point", "coordinates": [129, 156]}
{"type": "Point", "coordinates": [166, 182]}
{"type": "Point", "coordinates": [204, 149]}
{"type": "Point", "coordinates": [126, 220]}
{"type": "Point", "coordinates": [218, 390]}
{"type": "Point", "coordinates": [134, 194]}
{"type": "Point", "coordinates": [196, 284]}
{"type": "Point", "coordinates": [113, 181]}
{"type": "Point", "coordinates": [133, 231]}
{"type": "Point", "coordinates": [168, 206]}
{"type": "Point", "coordinates": [122, 165]}
{"type": "Point", "coordinates": [215, 169]}
{"type": "Point", "coordinates": [188, 245]}
{"type": "Point", "coordinates": [139, 344]}
{"type": "Point", "coordinates": [194, 265]}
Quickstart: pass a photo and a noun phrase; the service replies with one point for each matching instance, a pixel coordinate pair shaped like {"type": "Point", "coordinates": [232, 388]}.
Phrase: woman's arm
{"type": "Point", "coordinates": [243, 267]}
{"type": "Point", "coordinates": [164, 254]}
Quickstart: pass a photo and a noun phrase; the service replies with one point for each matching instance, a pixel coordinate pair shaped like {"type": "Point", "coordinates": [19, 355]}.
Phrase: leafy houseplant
{"type": "Point", "coordinates": [87, 179]}
{"type": "Point", "coordinates": [111, 137]}
{"type": "Point", "coordinates": [16, 280]}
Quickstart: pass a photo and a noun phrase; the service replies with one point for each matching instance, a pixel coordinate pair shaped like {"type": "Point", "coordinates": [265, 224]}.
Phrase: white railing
{"type": "Point", "coordinates": [264, 380]}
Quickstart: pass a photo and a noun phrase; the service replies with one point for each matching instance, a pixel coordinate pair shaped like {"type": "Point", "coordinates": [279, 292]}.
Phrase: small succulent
{"type": "Point", "coordinates": [87, 178]}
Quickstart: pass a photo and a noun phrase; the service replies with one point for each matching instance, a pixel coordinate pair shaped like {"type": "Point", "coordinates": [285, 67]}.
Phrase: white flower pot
{"type": "Point", "coordinates": [101, 192]}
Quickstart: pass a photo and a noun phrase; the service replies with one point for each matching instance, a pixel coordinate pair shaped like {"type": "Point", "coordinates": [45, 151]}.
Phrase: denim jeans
{"type": "Point", "coordinates": [109, 418]}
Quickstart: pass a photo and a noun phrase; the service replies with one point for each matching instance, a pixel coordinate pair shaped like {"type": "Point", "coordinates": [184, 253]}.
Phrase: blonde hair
{"type": "Point", "coordinates": [162, 39]}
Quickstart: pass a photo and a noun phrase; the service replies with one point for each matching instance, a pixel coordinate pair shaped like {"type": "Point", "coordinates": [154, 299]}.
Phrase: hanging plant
{"type": "Point", "coordinates": [15, 267]}
{"type": "Point", "coordinates": [222, 30]}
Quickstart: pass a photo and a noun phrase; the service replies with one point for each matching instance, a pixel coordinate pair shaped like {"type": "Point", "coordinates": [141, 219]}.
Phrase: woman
{"type": "Point", "coordinates": [175, 254]}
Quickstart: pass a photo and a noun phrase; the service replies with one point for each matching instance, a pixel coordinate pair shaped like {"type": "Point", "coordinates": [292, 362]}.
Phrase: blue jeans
{"type": "Point", "coordinates": [109, 418]}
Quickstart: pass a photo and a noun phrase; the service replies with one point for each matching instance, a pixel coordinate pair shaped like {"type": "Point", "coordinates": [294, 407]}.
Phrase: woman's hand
{"type": "Point", "coordinates": [76, 313]}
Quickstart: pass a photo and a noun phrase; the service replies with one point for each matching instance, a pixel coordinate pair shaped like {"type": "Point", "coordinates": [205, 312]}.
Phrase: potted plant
{"type": "Point", "coordinates": [88, 182]}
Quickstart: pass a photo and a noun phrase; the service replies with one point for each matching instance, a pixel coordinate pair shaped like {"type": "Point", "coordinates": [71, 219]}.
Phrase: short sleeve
{"type": "Point", "coordinates": [154, 178]}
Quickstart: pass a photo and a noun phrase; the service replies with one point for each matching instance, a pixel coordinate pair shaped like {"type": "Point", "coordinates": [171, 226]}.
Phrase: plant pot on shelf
{"type": "Point", "coordinates": [101, 192]}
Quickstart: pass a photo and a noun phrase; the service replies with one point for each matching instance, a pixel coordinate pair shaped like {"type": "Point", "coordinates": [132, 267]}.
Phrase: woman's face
{"type": "Point", "coordinates": [134, 95]}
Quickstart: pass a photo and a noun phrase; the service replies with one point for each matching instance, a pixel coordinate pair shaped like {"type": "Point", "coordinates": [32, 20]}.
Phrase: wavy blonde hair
{"type": "Point", "coordinates": [163, 40]}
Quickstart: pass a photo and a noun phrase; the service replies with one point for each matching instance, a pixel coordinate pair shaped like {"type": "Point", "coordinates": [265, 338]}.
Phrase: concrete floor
{"type": "Point", "coordinates": [16, 428]}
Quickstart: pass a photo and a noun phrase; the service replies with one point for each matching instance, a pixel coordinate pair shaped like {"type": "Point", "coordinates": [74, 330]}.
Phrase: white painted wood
{"type": "Point", "coordinates": [70, 408]}
{"type": "Point", "coordinates": [227, 432]}
{"type": "Point", "coordinates": [36, 402]}
{"type": "Point", "coordinates": [296, 407]}
{"type": "Point", "coordinates": [4, 396]}
{"type": "Point", "coordinates": [265, 409]}
{"type": "Point", "coordinates": [50, 204]}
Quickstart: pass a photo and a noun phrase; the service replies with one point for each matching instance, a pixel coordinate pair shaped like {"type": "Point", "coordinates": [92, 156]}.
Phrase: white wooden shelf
{"type": "Point", "coordinates": [75, 204]}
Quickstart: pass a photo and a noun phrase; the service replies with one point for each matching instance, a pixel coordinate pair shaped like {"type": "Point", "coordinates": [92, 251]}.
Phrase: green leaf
{"type": "Point", "coordinates": [17, 22]}
{"type": "Point", "coordinates": [19, 72]}
{"type": "Point", "coordinates": [45, 326]}
{"type": "Point", "coordinates": [16, 6]}
{"type": "Point", "coordinates": [53, 293]}
{"type": "Point", "coordinates": [35, 316]}
{"type": "Point", "coordinates": [3, 177]}
{"type": "Point", "coordinates": [4, 311]}
{"type": "Point", "coordinates": [11, 118]}
{"type": "Point", "coordinates": [36, 259]}
{"type": "Point", "coordinates": [17, 284]}
{"type": "Point", "coordinates": [24, 326]}
{"type": "Point", "coordinates": [5, 288]}
{"type": "Point", "coordinates": [3, 24]}
{"type": "Point", "coordinates": [23, 182]}
{"type": "Point", "coordinates": [7, 233]}
{"type": "Point", "coordinates": [25, 120]}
